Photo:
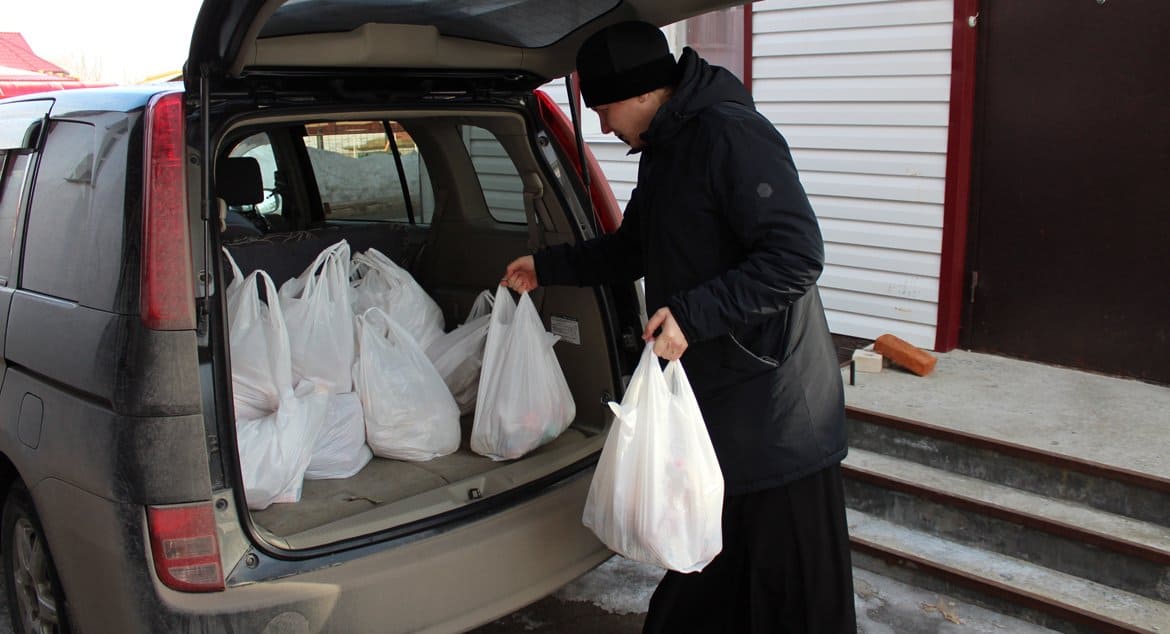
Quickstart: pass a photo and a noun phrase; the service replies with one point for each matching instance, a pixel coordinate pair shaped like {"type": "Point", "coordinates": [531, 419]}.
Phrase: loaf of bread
{"type": "Point", "coordinates": [905, 354]}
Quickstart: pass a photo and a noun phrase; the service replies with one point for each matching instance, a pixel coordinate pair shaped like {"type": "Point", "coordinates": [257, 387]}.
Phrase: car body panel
{"type": "Point", "coordinates": [446, 581]}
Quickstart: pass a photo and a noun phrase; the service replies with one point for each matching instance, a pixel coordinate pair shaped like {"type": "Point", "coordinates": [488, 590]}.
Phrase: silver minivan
{"type": "Point", "coordinates": [416, 127]}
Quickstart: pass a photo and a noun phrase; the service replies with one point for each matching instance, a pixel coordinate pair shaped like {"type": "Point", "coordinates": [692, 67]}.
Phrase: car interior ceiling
{"type": "Point", "coordinates": [462, 252]}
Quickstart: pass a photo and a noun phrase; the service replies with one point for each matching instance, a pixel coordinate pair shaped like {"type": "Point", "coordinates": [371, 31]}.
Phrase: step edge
{"type": "Point", "coordinates": [1014, 592]}
{"type": "Point", "coordinates": [1087, 467]}
{"type": "Point", "coordinates": [1122, 545]}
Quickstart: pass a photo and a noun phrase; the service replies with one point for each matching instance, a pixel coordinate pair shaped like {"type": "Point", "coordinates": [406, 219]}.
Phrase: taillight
{"type": "Point", "coordinates": [185, 547]}
{"type": "Point", "coordinates": [167, 293]}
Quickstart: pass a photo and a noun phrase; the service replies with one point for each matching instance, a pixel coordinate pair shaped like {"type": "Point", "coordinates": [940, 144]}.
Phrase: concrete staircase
{"type": "Point", "coordinates": [1071, 545]}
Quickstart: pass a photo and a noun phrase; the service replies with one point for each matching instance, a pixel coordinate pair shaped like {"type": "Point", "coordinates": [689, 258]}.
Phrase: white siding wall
{"type": "Point", "coordinates": [503, 191]}
{"type": "Point", "coordinates": [860, 88]}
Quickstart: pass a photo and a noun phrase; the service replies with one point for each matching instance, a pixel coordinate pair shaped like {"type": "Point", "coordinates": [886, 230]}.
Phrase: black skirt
{"type": "Point", "coordinates": [785, 567]}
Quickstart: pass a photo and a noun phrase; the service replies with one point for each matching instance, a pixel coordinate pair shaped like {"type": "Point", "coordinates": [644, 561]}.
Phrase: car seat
{"type": "Point", "coordinates": [238, 184]}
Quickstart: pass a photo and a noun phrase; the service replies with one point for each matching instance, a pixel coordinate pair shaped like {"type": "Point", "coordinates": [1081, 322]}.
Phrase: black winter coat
{"type": "Point", "coordinates": [723, 232]}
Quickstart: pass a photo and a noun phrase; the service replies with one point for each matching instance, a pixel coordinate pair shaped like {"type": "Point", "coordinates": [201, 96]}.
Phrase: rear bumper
{"type": "Point", "coordinates": [447, 582]}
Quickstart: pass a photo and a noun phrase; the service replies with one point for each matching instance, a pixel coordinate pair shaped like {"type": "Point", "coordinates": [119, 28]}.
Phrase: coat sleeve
{"type": "Point", "coordinates": [754, 184]}
{"type": "Point", "coordinates": [613, 257]}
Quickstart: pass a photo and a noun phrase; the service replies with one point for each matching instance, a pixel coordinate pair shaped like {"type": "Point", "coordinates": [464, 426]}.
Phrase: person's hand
{"type": "Point", "coordinates": [671, 343]}
{"type": "Point", "coordinates": [520, 275]}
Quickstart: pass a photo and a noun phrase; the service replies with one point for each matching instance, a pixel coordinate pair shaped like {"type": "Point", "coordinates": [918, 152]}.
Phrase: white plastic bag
{"type": "Point", "coordinates": [276, 427]}
{"type": "Point", "coordinates": [341, 449]}
{"type": "Point", "coordinates": [382, 283]}
{"type": "Point", "coordinates": [320, 324]}
{"type": "Point", "coordinates": [409, 413]}
{"type": "Point", "coordinates": [523, 400]}
{"type": "Point", "coordinates": [275, 450]}
{"type": "Point", "coordinates": [458, 355]}
{"type": "Point", "coordinates": [657, 492]}
{"type": "Point", "coordinates": [258, 343]}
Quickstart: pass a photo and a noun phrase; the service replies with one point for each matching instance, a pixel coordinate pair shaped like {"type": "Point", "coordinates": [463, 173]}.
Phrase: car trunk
{"type": "Point", "coordinates": [484, 188]}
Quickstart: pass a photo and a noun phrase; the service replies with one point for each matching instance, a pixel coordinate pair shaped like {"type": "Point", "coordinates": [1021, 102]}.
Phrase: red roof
{"type": "Point", "coordinates": [14, 81]}
{"type": "Point", "coordinates": [15, 53]}
{"type": "Point", "coordinates": [23, 71]}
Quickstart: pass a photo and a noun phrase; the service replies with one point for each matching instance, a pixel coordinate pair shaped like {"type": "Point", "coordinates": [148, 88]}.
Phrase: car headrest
{"type": "Point", "coordinates": [238, 181]}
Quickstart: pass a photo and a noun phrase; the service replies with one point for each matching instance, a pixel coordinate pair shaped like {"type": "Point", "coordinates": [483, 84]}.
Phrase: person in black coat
{"type": "Point", "coordinates": [724, 235]}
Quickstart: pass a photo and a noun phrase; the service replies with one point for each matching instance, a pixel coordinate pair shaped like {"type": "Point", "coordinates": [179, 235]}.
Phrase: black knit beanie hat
{"type": "Point", "coordinates": [624, 60]}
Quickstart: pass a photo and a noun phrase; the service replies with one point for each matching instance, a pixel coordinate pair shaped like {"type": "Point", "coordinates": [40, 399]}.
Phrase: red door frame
{"type": "Point", "coordinates": [953, 269]}
{"type": "Point", "coordinates": [747, 46]}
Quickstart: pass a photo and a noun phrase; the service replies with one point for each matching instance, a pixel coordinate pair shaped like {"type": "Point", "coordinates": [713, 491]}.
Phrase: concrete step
{"type": "Point", "coordinates": [1054, 599]}
{"type": "Point", "coordinates": [1075, 539]}
{"type": "Point", "coordinates": [1108, 488]}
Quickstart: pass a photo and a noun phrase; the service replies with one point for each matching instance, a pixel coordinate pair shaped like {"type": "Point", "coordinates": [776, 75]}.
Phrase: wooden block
{"type": "Point", "coordinates": [867, 361]}
{"type": "Point", "coordinates": [904, 354]}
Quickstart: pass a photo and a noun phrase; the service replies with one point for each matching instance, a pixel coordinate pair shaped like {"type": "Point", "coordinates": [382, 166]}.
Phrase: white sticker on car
{"type": "Point", "coordinates": [566, 328]}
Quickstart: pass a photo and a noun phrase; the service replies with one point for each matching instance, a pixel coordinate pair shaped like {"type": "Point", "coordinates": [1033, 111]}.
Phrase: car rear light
{"type": "Point", "coordinates": [167, 292]}
{"type": "Point", "coordinates": [185, 547]}
{"type": "Point", "coordinates": [605, 205]}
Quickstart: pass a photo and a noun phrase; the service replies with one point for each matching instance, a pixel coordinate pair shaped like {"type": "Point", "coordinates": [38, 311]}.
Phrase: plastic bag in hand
{"type": "Point", "coordinates": [657, 492]}
{"type": "Point", "coordinates": [275, 450]}
{"type": "Point", "coordinates": [320, 323]}
{"type": "Point", "coordinates": [259, 345]}
{"type": "Point", "coordinates": [382, 283]}
{"type": "Point", "coordinates": [341, 449]}
{"type": "Point", "coordinates": [410, 414]}
{"type": "Point", "coordinates": [458, 355]}
{"type": "Point", "coordinates": [523, 400]}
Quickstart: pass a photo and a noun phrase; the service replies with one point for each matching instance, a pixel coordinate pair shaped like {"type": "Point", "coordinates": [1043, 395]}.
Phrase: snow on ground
{"type": "Point", "coordinates": [884, 605]}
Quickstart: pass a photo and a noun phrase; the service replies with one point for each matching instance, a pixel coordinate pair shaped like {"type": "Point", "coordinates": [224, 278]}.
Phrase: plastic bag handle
{"type": "Point", "coordinates": [647, 367]}
{"type": "Point", "coordinates": [482, 306]}
{"type": "Point", "coordinates": [379, 262]}
{"type": "Point", "coordinates": [675, 377]}
{"type": "Point", "coordinates": [237, 274]}
{"type": "Point", "coordinates": [275, 314]}
{"type": "Point", "coordinates": [382, 327]}
{"type": "Point", "coordinates": [330, 255]}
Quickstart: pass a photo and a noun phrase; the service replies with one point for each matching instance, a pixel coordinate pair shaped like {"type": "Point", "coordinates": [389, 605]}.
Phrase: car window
{"type": "Point", "coordinates": [503, 191]}
{"type": "Point", "coordinates": [59, 212]}
{"type": "Point", "coordinates": [13, 167]}
{"type": "Point", "coordinates": [365, 173]}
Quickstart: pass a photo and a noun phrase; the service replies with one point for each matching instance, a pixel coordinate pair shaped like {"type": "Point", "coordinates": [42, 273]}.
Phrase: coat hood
{"type": "Point", "coordinates": [700, 86]}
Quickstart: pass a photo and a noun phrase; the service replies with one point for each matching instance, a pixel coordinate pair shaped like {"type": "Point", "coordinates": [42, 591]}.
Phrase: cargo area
{"type": "Point", "coordinates": [451, 197]}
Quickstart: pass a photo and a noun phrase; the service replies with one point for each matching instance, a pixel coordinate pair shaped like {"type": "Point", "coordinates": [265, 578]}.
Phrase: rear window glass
{"type": "Point", "coordinates": [525, 23]}
{"type": "Point", "coordinates": [12, 170]}
{"type": "Point", "coordinates": [503, 191]}
{"type": "Point", "coordinates": [359, 169]}
{"type": "Point", "coordinates": [59, 214]}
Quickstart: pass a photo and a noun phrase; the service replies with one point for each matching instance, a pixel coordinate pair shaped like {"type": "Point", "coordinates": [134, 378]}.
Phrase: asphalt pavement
{"type": "Point", "coordinates": [612, 600]}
